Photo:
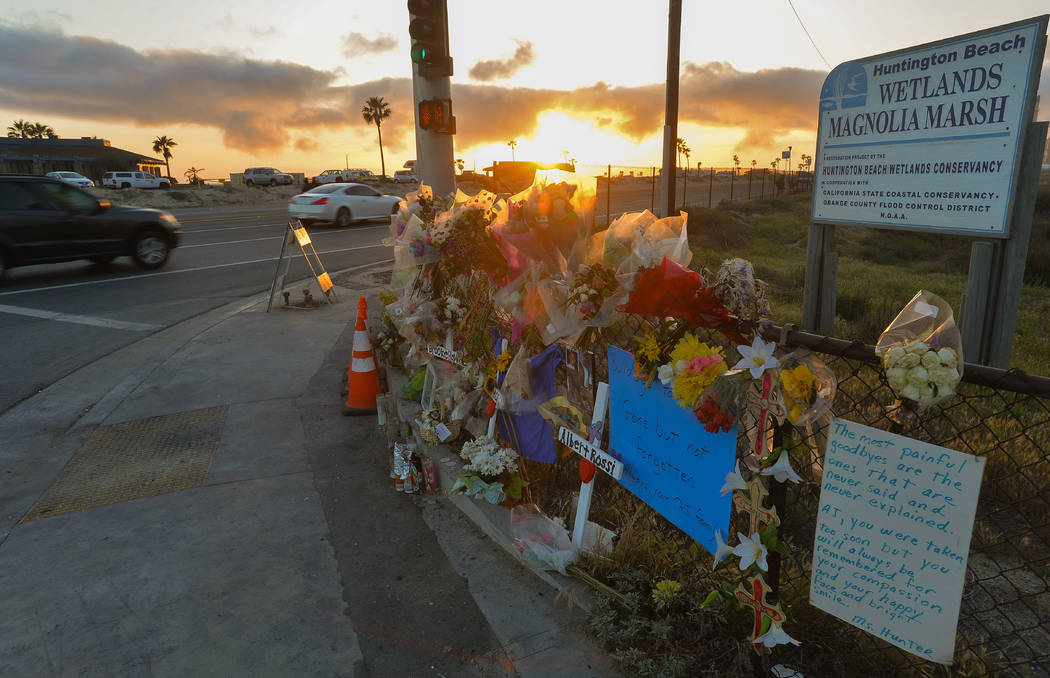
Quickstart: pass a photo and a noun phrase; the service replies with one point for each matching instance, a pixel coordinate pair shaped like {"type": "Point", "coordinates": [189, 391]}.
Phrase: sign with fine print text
{"type": "Point", "coordinates": [669, 461]}
{"type": "Point", "coordinates": [893, 534]}
{"type": "Point", "coordinates": [928, 138]}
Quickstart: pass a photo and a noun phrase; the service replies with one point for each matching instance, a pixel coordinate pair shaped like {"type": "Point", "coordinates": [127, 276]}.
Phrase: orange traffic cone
{"type": "Point", "coordinates": [362, 379]}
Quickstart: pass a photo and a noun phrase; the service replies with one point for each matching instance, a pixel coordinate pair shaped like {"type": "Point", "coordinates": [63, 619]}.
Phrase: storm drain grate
{"type": "Point", "coordinates": [134, 460]}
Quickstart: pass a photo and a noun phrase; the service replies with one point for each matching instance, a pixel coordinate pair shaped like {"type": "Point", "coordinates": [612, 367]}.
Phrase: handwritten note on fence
{"type": "Point", "coordinates": [893, 534]}
{"type": "Point", "coordinates": [670, 462]}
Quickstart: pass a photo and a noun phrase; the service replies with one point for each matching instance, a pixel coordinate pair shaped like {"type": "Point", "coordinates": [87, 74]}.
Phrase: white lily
{"type": "Point", "coordinates": [758, 357]}
{"type": "Point", "coordinates": [734, 481]}
{"type": "Point", "coordinates": [782, 470]}
{"type": "Point", "coordinates": [722, 550]}
{"type": "Point", "coordinates": [775, 636]}
{"type": "Point", "coordinates": [751, 550]}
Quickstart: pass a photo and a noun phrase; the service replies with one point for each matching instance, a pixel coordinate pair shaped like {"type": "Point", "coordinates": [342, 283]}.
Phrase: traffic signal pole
{"type": "Point", "coordinates": [431, 80]}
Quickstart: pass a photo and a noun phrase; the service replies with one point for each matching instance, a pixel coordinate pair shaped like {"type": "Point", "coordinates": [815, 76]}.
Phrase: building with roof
{"type": "Point", "coordinates": [89, 156]}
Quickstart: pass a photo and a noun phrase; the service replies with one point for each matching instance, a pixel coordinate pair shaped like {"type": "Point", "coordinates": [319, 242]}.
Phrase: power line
{"type": "Point", "coordinates": [807, 34]}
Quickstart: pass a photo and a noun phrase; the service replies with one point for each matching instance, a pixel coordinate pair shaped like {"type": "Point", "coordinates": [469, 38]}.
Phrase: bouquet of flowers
{"type": "Point", "coordinates": [741, 293]}
{"type": "Point", "coordinates": [485, 457]}
{"type": "Point", "coordinates": [807, 387]}
{"type": "Point", "coordinates": [693, 368]}
{"type": "Point", "coordinates": [492, 471]}
{"type": "Point", "coordinates": [670, 290]}
{"type": "Point", "coordinates": [921, 351]}
{"type": "Point", "coordinates": [591, 287]}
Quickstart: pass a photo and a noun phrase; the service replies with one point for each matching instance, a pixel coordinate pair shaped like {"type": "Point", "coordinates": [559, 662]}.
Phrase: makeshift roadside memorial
{"type": "Point", "coordinates": [921, 351]}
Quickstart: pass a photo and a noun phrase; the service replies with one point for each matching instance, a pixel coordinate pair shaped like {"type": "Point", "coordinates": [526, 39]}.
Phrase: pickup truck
{"type": "Point", "coordinates": [134, 180]}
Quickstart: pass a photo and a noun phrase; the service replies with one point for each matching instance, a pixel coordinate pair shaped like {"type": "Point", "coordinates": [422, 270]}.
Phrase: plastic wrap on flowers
{"type": "Point", "coordinates": [807, 387]}
{"type": "Point", "coordinates": [921, 350]}
{"type": "Point", "coordinates": [547, 221]}
{"type": "Point", "coordinates": [669, 290]}
{"type": "Point", "coordinates": [594, 294]}
{"type": "Point", "coordinates": [541, 540]}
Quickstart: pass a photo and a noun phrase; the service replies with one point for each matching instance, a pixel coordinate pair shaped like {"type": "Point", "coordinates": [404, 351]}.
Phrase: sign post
{"type": "Point", "coordinates": [933, 139]}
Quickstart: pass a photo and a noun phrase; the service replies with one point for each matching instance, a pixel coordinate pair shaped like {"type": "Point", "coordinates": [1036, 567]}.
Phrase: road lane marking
{"type": "Point", "coordinates": [272, 237]}
{"type": "Point", "coordinates": [140, 276]}
{"type": "Point", "coordinates": [79, 319]}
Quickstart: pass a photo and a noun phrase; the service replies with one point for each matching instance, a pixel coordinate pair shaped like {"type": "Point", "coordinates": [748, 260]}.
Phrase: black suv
{"type": "Point", "coordinates": [43, 220]}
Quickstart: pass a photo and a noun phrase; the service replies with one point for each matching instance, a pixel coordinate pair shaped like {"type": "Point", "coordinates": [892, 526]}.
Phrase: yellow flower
{"type": "Point", "coordinates": [689, 383]}
{"type": "Point", "coordinates": [648, 347]}
{"type": "Point", "coordinates": [798, 382]}
{"type": "Point", "coordinates": [503, 361]}
{"type": "Point", "coordinates": [666, 590]}
{"type": "Point", "coordinates": [798, 390]}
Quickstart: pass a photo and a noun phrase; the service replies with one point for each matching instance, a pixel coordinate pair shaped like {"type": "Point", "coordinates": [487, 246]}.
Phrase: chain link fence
{"type": "Point", "coordinates": [1003, 416]}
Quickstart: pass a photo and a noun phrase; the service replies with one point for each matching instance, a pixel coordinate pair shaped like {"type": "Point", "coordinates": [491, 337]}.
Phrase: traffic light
{"type": "Point", "coordinates": [428, 28]}
{"type": "Point", "coordinates": [436, 115]}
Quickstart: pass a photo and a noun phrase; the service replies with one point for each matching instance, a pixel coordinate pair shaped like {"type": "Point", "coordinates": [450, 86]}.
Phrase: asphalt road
{"type": "Point", "coordinates": [57, 318]}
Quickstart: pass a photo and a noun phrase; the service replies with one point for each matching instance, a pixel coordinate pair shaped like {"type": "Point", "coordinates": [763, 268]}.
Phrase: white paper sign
{"type": "Point", "coordinates": [445, 354]}
{"type": "Point", "coordinates": [893, 534]}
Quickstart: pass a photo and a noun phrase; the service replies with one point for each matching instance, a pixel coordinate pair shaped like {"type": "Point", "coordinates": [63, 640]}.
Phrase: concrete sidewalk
{"type": "Point", "coordinates": [254, 532]}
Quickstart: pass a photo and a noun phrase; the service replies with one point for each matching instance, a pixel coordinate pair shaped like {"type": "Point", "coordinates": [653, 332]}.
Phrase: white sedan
{"type": "Point", "coordinates": [342, 204]}
{"type": "Point", "coordinates": [73, 179]}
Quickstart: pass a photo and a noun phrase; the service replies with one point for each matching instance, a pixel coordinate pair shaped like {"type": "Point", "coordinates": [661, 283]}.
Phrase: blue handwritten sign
{"type": "Point", "coordinates": [670, 462]}
{"type": "Point", "coordinates": [893, 534]}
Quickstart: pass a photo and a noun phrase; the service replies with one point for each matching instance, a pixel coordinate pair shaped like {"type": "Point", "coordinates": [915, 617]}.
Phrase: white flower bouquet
{"type": "Point", "coordinates": [485, 457]}
{"type": "Point", "coordinates": [921, 351]}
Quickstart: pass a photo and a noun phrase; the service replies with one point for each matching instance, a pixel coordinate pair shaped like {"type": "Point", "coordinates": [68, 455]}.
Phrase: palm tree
{"type": "Point", "coordinates": [162, 145]}
{"type": "Point", "coordinates": [513, 143]}
{"type": "Point", "coordinates": [458, 162]}
{"type": "Point", "coordinates": [41, 131]}
{"type": "Point", "coordinates": [736, 163]}
{"type": "Point", "coordinates": [376, 110]}
{"type": "Point", "coordinates": [193, 175]}
{"type": "Point", "coordinates": [20, 129]}
{"type": "Point", "coordinates": [679, 145]}
{"type": "Point", "coordinates": [686, 150]}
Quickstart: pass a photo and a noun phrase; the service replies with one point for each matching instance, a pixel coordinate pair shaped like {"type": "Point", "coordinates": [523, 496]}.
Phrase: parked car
{"type": "Point", "coordinates": [43, 220]}
{"type": "Point", "coordinates": [328, 176]}
{"type": "Point", "coordinates": [405, 177]}
{"type": "Point", "coordinates": [266, 176]}
{"type": "Point", "coordinates": [134, 180]}
{"type": "Point", "coordinates": [359, 175]}
{"type": "Point", "coordinates": [342, 204]}
{"type": "Point", "coordinates": [73, 179]}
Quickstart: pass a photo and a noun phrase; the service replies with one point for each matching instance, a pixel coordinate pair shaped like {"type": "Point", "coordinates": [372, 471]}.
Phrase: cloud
{"type": "Point", "coordinates": [504, 68]}
{"type": "Point", "coordinates": [250, 101]}
{"type": "Point", "coordinates": [306, 144]}
{"type": "Point", "coordinates": [267, 105]}
{"type": "Point", "coordinates": [356, 44]}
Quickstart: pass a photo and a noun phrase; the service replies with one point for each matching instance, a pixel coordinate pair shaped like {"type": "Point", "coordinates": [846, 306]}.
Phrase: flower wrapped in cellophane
{"type": "Point", "coordinates": [807, 387]}
{"type": "Point", "coordinates": [547, 221]}
{"type": "Point", "coordinates": [670, 290]}
{"type": "Point", "coordinates": [921, 351]}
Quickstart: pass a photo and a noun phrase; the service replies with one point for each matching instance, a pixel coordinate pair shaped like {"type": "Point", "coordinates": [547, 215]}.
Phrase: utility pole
{"type": "Point", "coordinates": [674, 37]}
{"type": "Point", "coordinates": [432, 94]}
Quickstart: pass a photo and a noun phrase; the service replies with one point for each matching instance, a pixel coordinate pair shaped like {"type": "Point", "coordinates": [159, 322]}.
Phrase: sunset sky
{"type": "Point", "coordinates": [240, 84]}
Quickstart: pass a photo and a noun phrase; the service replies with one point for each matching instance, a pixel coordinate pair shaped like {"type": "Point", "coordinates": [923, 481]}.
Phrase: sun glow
{"type": "Point", "coordinates": [559, 137]}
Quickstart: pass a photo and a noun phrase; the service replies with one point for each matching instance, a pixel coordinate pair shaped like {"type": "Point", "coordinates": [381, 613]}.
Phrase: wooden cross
{"type": "Point", "coordinates": [768, 403]}
{"type": "Point", "coordinates": [752, 505]}
{"type": "Point", "coordinates": [755, 598]}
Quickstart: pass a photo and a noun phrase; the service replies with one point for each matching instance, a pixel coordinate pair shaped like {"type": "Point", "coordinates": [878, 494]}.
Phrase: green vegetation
{"type": "Point", "coordinates": [879, 270]}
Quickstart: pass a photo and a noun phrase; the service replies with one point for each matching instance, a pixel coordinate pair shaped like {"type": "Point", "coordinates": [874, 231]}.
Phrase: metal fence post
{"type": "Point", "coordinates": [711, 188]}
